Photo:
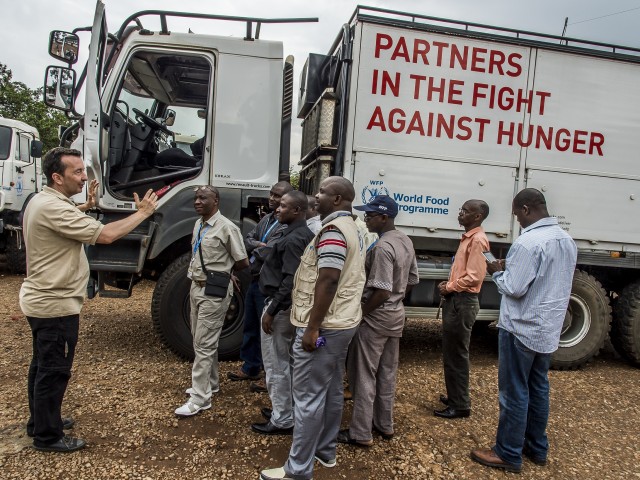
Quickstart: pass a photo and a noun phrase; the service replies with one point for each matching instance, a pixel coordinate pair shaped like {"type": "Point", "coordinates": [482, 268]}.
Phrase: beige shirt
{"type": "Point", "coordinates": [221, 243]}
{"type": "Point", "coordinates": [55, 232]}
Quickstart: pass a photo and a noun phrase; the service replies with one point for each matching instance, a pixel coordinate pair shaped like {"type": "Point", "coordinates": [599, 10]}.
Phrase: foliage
{"type": "Point", "coordinates": [294, 179]}
{"type": "Point", "coordinates": [19, 102]}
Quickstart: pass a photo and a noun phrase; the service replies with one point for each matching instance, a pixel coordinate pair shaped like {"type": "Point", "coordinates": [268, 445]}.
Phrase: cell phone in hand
{"type": "Point", "coordinates": [489, 256]}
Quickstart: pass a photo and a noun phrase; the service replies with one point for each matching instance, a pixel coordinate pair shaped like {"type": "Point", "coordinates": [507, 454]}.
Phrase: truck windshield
{"type": "Point", "coordinates": [5, 142]}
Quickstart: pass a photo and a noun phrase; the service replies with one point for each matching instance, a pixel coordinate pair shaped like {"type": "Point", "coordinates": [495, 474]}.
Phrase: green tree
{"type": "Point", "coordinates": [294, 179]}
{"type": "Point", "coordinates": [19, 102]}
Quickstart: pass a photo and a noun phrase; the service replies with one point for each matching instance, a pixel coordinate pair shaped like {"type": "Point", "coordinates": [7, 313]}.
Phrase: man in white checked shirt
{"type": "Point", "coordinates": [535, 283]}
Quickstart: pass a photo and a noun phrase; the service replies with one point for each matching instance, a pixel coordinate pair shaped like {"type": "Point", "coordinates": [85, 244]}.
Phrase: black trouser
{"type": "Point", "coordinates": [458, 315]}
{"type": "Point", "coordinates": [54, 346]}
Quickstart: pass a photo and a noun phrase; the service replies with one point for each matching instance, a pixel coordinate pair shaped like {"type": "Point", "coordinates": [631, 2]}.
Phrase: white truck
{"type": "Point", "coordinates": [20, 179]}
{"type": "Point", "coordinates": [430, 111]}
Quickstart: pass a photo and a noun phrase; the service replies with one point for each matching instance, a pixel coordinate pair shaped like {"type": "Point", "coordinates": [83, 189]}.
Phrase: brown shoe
{"type": "Point", "coordinates": [240, 375]}
{"type": "Point", "coordinates": [347, 393]}
{"type": "Point", "coordinates": [258, 387]}
{"type": "Point", "coordinates": [489, 458]}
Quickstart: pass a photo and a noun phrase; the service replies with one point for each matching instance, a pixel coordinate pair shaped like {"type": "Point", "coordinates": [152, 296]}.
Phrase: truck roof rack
{"type": "Point", "coordinates": [164, 14]}
{"type": "Point", "coordinates": [512, 35]}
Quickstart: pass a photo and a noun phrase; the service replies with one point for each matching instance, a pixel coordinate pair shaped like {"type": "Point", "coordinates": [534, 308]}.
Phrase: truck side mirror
{"type": "Point", "coordinates": [59, 88]}
{"type": "Point", "coordinates": [64, 46]}
{"type": "Point", "coordinates": [170, 117]}
{"type": "Point", "coordinates": [36, 148]}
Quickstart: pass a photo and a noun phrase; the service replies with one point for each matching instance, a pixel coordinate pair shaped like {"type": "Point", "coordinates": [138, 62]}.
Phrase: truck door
{"type": "Point", "coordinates": [24, 175]}
{"type": "Point", "coordinates": [93, 106]}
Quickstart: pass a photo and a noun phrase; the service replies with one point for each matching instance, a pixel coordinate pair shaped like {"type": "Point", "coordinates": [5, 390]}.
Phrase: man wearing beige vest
{"type": "Point", "coordinates": [51, 297]}
{"type": "Point", "coordinates": [326, 311]}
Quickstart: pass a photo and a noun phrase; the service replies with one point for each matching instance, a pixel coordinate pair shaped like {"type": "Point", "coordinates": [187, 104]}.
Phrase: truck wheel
{"type": "Point", "coordinates": [625, 333]}
{"type": "Point", "coordinates": [16, 257]}
{"type": "Point", "coordinates": [586, 325]}
{"type": "Point", "coordinates": [170, 310]}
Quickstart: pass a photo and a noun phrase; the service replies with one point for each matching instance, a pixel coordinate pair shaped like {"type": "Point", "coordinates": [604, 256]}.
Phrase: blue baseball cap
{"type": "Point", "coordinates": [382, 204]}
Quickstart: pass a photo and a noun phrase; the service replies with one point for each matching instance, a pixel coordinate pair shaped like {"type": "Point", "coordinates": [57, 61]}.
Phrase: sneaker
{"type": "Point", "coordinates": [191, 408]}
{"type": "Point", "coordinates": [326, 463]}
{"type": "Point", "coordinates": [258, 387]}
{"type": "Point", "coordinates": [274, 474]}
{"type": "Point", "coordinates": [65, 445]}
{"type": "Point", "coordinates": [190, 391]}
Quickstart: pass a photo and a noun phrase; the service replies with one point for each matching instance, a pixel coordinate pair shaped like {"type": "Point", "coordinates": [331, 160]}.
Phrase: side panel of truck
{"type": "Point", "coordinates": [439, 119]}
{"type": "Point", "coordinates": [592, 192]}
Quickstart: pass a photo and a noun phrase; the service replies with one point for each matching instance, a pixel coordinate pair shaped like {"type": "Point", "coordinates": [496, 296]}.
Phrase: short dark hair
{"type": "Point", "coordinates": [210, 188]}
{"type": "Point", "coordinates": [530, 197]}
{"type": "Point", "coordinates": [284, 185]}
{"type": "Point", "coordinates": [482, 206]}
{"type": "Point", "coordinates": [298, 199]}
{"type": "Point", "coordinates": [52, 162]}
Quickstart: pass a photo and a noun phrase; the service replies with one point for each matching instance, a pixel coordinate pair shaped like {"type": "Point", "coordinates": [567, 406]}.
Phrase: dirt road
{"type": "Point", "coordinates": [126, 386]}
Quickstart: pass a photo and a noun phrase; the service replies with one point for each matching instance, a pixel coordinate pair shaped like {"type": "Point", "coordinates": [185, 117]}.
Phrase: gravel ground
{"type": "Point", "coordinates": [126, 385]}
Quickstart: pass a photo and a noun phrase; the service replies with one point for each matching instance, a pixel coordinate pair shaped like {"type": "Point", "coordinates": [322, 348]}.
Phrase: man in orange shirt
{"type": "Point", "coordinates": [460, 307]}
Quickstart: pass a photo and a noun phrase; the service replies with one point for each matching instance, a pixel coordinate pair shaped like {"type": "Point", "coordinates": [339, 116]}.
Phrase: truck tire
{"type": "Point", "coordinates": [16, 257]}
{"type": "Point", "coordinates": [625, 333]}
{"type": "Point", "coordinates": [586, 324]}
{"type": "Point", "coordinates": [170, 310]}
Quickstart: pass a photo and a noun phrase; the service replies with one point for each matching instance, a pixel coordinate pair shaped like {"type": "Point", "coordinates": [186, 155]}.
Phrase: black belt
{"type": "Point", "coordinates": [465, 294]}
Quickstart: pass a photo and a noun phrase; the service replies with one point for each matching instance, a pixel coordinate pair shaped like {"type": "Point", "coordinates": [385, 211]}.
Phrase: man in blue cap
{"type": "Point", "coordinates": [372, 364]}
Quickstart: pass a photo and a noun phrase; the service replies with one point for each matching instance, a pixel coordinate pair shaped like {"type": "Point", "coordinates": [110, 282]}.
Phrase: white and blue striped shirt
{"type": "Point", "coordinates": [536, 285]}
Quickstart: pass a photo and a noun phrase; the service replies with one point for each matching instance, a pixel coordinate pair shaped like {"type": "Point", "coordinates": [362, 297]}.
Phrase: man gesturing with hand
{"type": "Point", "coordinates": [55, 232]}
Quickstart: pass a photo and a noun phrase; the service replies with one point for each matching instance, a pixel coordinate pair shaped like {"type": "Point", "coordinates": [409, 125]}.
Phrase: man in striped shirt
{"type": "Point", "coordinates": [326, 312]}
{"type": "Point", "coordinates": [535, 283]}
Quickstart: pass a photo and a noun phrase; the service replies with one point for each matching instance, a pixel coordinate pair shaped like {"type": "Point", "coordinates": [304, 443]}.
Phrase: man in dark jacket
{"type": "Point", "coordinates": [258, 242]}
{"type": "Point", "coordinates": [276, 283]}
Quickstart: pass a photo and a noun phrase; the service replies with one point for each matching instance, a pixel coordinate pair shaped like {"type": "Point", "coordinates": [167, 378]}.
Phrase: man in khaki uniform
{"type": "Point", "coordinates": [51, 296]}
{"type": "Point", "coordinates": [218, 244]}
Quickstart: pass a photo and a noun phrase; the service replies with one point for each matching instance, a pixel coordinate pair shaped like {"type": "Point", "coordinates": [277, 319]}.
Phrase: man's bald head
{"type": "Point", "coordinates": [336, 193]}
{"type": "Point", "coordinates": [343, 187]}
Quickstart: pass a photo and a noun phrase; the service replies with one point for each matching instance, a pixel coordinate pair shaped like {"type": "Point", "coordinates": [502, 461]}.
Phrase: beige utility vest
{"type": "Point", "coordinates": [345, 310]}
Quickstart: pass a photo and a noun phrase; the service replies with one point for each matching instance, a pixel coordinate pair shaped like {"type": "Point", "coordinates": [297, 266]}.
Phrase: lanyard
{"type": "Point", "coordinates": [200, 237]}
{"type": "Point", "coordinates": [266, 234]}
{"type": "Point", "coordinates": [374, 243]}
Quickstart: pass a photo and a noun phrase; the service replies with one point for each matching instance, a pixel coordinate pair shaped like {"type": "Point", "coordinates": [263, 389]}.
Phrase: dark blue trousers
{"type": "Point", "coordinates": [250, 352]}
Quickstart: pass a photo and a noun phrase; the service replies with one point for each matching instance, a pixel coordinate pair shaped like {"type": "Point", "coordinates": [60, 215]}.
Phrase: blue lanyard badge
{"type": "Point", "coordinates": [266, 234]}
{"type": "Point", "coordinates": [200, 237]}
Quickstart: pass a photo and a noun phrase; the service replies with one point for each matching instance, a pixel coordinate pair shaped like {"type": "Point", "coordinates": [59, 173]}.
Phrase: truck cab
{"type": "Point", "coordinates": [21, 178]}
{"type": "Point", "coordinates": [145, 92]}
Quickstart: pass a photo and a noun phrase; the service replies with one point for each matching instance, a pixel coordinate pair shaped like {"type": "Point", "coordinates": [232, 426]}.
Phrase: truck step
{"type": "Point", "coordinates": [126, 254]}
{"type": "Point", "coordinates": [113, 292]}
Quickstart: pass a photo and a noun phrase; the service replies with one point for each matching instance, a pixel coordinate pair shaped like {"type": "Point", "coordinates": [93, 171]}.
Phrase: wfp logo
{"type": "Point", "coordinates": [374, 189]}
